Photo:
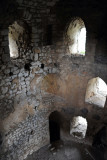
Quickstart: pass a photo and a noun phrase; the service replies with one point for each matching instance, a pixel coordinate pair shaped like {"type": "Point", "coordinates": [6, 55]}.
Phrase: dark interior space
{"type": "Point", "coordinates": [54, 131]}
{"type": "Point", "coordinates": [49, 35]}
{"type": "Point", "coordinates": [54, 128]}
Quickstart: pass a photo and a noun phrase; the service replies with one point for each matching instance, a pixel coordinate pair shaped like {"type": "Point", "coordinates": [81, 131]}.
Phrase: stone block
{"type": "Point", "coordinates": [36, 57]}
{"type": "Point", "coordinates": [5, 58]}
{"type": "Point", "coordinates": [96, 92]}
{"type": "Point", "coordinates": [26, 74]}
{"type": "Point", "coordinates": [16, 72]}
{"type": "Point", "coordinates": [54, 70]}
{"type": "Point", "coordinates": [4, 90]}
{"type": "Point", "coordinates": [20, 75]}
{"type": "Point", "coordinates": [6, 71]}
{"type": "Point", "coordinates": [4, 32]}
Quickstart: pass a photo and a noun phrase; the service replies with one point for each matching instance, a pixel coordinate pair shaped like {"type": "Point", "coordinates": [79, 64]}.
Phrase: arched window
{"type": "Point", "coordinates": [76, 33]}
{"type": "Point", "coordinates": [96, 92]}
{"type": "Point", "coordinates": [78, 127]}
{"type": "Point", "coordinates": [17, 38]}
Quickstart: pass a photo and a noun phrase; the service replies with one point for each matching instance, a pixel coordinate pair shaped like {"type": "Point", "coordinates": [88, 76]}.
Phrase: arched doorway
{"type": "Point", "coordinates": [54, 127]}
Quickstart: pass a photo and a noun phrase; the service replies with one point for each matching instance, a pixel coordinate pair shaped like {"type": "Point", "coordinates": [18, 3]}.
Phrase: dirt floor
{"type": "Point", "coordinates": [67, 151]}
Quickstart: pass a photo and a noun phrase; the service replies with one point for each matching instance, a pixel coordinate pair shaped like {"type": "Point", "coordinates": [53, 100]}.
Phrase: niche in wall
{"type": "Point", "coordinates": [76, 33]}
{"type": "Point", "coordinates": [18, 38]}
{"type": "Point", "coordinates": [78, 127]}
{"type": "Point", "coordinates": [54, 127]}
{"type": "Point", "coordinates": [96, 92]}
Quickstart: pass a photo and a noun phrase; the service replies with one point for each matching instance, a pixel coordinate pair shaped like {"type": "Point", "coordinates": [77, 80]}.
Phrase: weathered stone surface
{"type": "Point", "coordinates": [61, 83]}
{"type": "Point", "coordinates": [5, 58]}
{"type": "Point", "coordinates": [4, 90]}
{"type": "Point", "coordinates": [36, 57]}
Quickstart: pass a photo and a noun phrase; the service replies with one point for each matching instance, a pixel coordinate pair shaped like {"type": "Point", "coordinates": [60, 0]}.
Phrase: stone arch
{"type": "Point", "coordinates": [18, 38]}
{"type": "Point", "coordinates": [78, 127]}
{"type": "Point", "coordinates": [76, 33]}
{"type": "Point", "coordinates": [96, 92]}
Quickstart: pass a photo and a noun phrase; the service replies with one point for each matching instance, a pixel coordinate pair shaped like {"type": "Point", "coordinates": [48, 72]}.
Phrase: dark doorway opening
{"type": "Point", "coordinates": [54, 127]}
{"type": "Point", "coordinates": [54, 131]}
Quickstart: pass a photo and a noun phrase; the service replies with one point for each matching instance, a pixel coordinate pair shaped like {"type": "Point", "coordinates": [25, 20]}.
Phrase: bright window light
{"type": "Point", "coordinates": [15, 32]}
{"type": "Point", "coordinates": [82, 41]}
{"type": "Point", "coordinates": [78, 127]}
{"type": "Point", "coordinates": [77, 37]}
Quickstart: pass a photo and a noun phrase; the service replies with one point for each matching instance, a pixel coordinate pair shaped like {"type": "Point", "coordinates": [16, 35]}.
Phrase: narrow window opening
{"type": "Point", "coordinates": [77, 37]}
{"type": "Point", "coordinates": [32, 132]}
{"type": "Point", "coordinates": [11, 74]}
{"type": "Point", "coordinates": [18, 38]}
{"type": "Point", "coordinates": [42, 66]}
{"type": "Point", "coordinates": [27, 66]}
{"type": "Point", "coordinates": [15, 31]}
{"type": "Point", "coordinates": [81, 41]}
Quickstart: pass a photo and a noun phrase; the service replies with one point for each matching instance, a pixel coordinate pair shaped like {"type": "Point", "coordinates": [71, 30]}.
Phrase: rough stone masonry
{"type": "Point", "coordinates": [45, 77]}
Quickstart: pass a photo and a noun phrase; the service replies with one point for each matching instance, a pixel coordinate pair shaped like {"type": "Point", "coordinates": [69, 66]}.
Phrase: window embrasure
{"type": "Point", "coordinates": [17, 38]}
{"type": "Point", "coordinates": [76, 33]}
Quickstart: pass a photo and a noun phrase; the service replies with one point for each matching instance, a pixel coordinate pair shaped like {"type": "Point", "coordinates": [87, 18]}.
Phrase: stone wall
{"type": "Point", "coordinates": [46, 77]}
{"type": "Point", "coordinates": [27, 137]}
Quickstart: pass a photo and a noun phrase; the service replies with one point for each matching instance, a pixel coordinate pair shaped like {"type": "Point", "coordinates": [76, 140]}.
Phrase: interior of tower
{"type": "Point", "coordinates": [53, 80]}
